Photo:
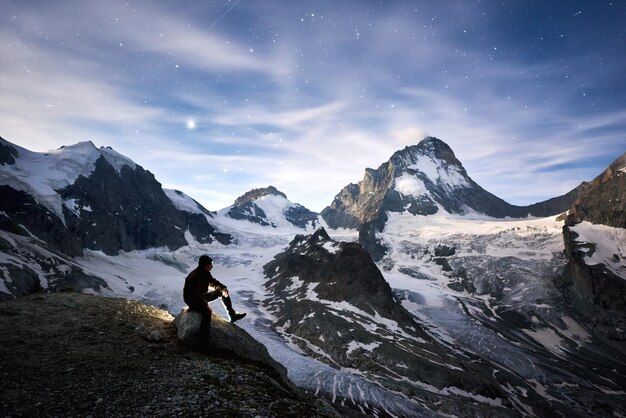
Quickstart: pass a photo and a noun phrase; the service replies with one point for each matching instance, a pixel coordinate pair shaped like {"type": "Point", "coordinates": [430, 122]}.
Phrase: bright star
{"type": "Point", "coordinates": [191, 124]}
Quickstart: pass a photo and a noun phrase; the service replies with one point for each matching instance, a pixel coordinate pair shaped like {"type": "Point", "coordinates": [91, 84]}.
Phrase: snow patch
{"type": "Point", "coordinates": [409, 185]}
{"type": "Point", "coordinates": [609, 246]}
{"type": "Point", "coordinates": [183, 202]}
{"type": "Point", "coordinates": [354, 345]}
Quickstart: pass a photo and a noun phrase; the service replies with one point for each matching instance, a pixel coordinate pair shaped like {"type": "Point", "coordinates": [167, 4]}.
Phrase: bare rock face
{"type": "Point", "coordinates": [603, 202]}
{"type": "Point", "coordinates": [225, 338]}
{"type": "Point", "coordinates": [604, 199]}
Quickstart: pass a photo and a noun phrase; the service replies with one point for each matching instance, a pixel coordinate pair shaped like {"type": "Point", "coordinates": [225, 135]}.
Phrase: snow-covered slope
{"type": "Point", "coordinates": [604, 245]}
{"type": "Point", "coordinates": [43, 174]}
{"type": "Point", "coordinates": [80, 197]}
{"type": "Point", "coordinates": [270, 207]}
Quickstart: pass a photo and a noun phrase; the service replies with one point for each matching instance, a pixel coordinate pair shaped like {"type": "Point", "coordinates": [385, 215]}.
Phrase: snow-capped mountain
{"type": "Point", "coordinates": [463, 313]}
{"type": "Point", "coordinates": [80, 198]}
{"type": "Point", "coordinates": [422, 179]}
{"type": "Point", "coordinates": [270, 207]}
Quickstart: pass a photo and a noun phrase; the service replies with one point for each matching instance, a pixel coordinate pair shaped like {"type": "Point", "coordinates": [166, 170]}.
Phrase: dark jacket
{"type": "Point", "coordinates": [197, 285]}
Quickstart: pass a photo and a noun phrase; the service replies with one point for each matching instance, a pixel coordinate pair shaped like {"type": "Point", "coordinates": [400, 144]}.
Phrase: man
{"type": "Point", "coordinates": [196, 294]}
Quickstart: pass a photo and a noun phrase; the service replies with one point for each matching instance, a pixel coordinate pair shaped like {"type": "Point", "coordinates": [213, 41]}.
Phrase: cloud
{"type": "Point", "coordinates": [303, 97]}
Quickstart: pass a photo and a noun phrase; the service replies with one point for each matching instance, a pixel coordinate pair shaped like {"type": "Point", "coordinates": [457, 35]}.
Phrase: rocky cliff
{"type": "Point", "coordinates": [595, 241]}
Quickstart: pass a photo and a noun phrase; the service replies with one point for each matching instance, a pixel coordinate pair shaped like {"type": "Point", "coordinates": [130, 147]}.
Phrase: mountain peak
{"type": "Point", "coordinates": [429, 148]}
{"type": "Point", "coordinates": [255, 194]}
{"type": "Point", "coordinates": [619, 164]}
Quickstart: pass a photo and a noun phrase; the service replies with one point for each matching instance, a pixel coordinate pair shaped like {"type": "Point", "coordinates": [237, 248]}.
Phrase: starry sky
{"type": "Point", "coordinates": [218, 97]}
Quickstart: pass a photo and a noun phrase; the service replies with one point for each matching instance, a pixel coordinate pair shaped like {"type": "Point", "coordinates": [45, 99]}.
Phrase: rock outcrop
{"type": "Point", "coordinates": [225, 338]}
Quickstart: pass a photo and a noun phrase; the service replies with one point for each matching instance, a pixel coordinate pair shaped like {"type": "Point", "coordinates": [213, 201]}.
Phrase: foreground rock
{"type": "Point", "coordinates": [226, 338]}
{"type": "Point", "coordinates": [70, 354]}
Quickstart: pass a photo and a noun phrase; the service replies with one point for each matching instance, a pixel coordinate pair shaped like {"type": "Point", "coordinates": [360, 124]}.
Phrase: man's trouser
{"type": "Point", "coordinates": [228, 304]}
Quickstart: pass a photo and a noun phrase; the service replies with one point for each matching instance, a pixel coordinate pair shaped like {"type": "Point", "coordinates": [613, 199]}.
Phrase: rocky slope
{"type": "Point", "coordinates": [69, 354]}
{"type": "Point", "coordinates": [595, 241]}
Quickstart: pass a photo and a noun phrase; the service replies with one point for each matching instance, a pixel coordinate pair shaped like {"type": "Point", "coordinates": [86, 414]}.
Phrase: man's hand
{"type": "Point", "coordinates": [225, 292]}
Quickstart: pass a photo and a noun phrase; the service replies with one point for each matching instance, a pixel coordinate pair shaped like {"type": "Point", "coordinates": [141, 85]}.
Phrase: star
{"type": "Point", "coordinates": [191, 124]}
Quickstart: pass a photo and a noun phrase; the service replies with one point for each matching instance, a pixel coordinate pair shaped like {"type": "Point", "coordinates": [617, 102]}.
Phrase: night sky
{"type": "Point", "coordinates": [219, 97]}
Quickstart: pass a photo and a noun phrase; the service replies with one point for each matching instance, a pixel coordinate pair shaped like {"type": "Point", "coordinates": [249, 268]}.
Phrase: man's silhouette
{"type": "Point", "coordinates": [197, 295]}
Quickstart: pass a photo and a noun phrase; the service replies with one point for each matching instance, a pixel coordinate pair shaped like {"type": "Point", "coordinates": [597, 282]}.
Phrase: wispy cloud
{"type": "Point", "coordinates": [305, 97]}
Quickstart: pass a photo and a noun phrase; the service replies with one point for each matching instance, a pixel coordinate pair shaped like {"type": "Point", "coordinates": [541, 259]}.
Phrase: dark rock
{"type": "Point", "coordinates": [255, 194]}
{"type": "Point", "coordinates": [24, 281]}
{"type": "Point", "coordinates": [591, 283]}
{"type": "Point", "coordinates": [226, 338]}
{"type": "Point", "coordinates": [301, 216]}
{"type": "Point", "coordinates": [249, 211]}
{"type": "Point", "coordinates": [23, 215]}
{"type": "Point", "coordinates": [7, 152]}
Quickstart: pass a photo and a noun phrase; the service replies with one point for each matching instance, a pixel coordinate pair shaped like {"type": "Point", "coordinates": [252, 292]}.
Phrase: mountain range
{"type": "Point", "coordinates": [414, 293]}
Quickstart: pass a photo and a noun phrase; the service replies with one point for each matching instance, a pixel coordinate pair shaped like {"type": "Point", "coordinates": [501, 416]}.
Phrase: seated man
{"type": "Point", "coordinates": [196, 293]}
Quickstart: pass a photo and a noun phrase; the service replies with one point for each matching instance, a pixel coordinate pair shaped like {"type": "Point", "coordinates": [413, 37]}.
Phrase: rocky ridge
{"type": "Point", "coordinates": [69, 354]}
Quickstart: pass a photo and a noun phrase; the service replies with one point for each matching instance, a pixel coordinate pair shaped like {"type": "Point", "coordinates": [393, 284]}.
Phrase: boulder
{"type": "Point", "coordinates": [226, 338]}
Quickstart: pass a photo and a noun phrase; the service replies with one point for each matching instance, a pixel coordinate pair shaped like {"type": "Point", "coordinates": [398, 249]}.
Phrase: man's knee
{"type": "Point", "coordinates": [211, 296]}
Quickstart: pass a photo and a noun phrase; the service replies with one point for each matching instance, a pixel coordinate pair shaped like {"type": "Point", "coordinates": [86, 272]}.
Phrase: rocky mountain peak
{"type": "Point", "coordinates": [430, 147]}
{"type": "Point", "coordinates": [420, 179]}
{"type": "Point", "coordinates": [320, 235]}
{"type": "Point", "coordinates": [276, 210]}
{"type": "Point", "coordinates": [255, 194]}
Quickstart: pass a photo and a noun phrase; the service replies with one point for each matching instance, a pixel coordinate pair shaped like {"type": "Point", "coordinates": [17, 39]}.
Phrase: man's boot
{"type": "Point", "coordinates": [236, 316]}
